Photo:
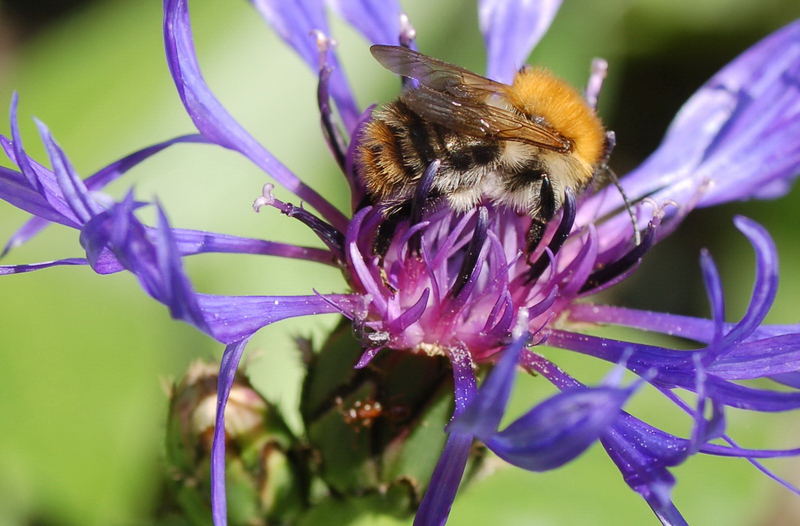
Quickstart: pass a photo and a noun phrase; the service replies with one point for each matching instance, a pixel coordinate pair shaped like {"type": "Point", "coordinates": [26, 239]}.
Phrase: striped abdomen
{"type": "Point", "coordinates": [397, 146]}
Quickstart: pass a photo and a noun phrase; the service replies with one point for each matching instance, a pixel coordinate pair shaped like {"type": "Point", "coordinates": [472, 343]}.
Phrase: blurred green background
{"type": "Point", "coordinates": [84, 357]}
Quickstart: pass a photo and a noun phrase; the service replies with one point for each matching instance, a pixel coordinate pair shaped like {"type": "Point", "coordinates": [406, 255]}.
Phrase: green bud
{"type": "Point", "coordinates": [266, 479]}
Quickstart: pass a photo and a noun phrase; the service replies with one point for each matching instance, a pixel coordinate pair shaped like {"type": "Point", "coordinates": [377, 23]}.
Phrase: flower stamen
{"type": "Point", "coordinates": [332, 238]}
{"type": "Point", "coordinates": [331, 134]}
{"type": "Point", "coordinates": [407, 32]}
{"type": "Point", "coordinates": [598, 74]}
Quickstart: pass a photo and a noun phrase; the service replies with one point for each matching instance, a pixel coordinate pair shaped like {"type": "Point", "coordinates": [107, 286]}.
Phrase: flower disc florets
{"type": "Point", "coordinates": [443, 282]}
{"type": "Point", "coordinates": [461, 280]}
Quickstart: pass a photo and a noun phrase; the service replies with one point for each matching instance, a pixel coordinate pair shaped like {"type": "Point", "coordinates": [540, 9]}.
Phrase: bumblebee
{"type": "Point", "coordinates": [521, 145]}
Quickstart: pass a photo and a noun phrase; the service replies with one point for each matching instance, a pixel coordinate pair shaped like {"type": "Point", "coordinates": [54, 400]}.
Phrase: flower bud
{"type": "Point", "coordinates": [264, 477]}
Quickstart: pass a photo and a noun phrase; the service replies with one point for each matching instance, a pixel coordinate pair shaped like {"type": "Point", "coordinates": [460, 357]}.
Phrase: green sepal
{"type": "Point", "coordinates": [376, 509]}
{"type": "Point", "coordinates": [360, 451]}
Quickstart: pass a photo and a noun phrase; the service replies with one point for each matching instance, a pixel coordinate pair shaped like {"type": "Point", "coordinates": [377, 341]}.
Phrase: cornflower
{"type": "Point", "coordinates": [462, 285]}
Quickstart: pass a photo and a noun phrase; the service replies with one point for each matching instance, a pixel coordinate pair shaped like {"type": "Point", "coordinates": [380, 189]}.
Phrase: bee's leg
{"type": "Point", "coordinates": [568, 211]}
{"type": "Point", "coordinates": [425, 199]}
{"type": "Point", "coordinates": [410, 210]}
{"type": "Point", "coordinates": [365, 202]}
{"type": "Point", "coordinates": [423, 195]}
{"type": "Point", "coordinates": [387, 228]}
{"type": "Point", "coordinates": [547, 209]}
{"type": "Point", "coordinates": [534, 236]}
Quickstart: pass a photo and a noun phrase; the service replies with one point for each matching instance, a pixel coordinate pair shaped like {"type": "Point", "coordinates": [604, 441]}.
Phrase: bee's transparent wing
{"type": "Point", "coordinates": [456, 98]}
{"type": "Point", "coordinates": [477, 119]}
{"type": "Point", "coordinates": [436, 74]}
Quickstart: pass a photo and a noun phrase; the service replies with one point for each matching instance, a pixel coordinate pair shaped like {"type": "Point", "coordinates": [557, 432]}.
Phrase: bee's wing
{"type": "Point", "coordinates": [435, 74]}
{"type": "Point", "coordinates": [456, 98]}
{"type": "Point", "coordinates": [478, 119]}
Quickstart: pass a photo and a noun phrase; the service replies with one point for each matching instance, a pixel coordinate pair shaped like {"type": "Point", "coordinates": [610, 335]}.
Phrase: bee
{"type": "Point", "coordinates": [521, 146]}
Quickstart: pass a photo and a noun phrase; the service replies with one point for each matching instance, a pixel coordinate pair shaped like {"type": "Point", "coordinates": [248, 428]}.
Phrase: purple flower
{"type": "Point", "coordinates": [461, 285]}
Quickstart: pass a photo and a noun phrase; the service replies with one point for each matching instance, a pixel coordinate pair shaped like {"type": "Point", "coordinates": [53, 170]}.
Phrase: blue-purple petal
{"type": "Point", "coordinates": [296, 22]}
{"type": "Point", "coordinates": [750, 398]}
{"type": "Point", "coordinates": [667, 513]}
{"type": "Point", "coordinates": [113, 171]}
{"type": "Point", "coordinates": [214, 121]}
{"type": "Point", "coordinates": [736, 138]}
{"type": "Point", "coordinates": [689, 327]}
{"type": "Point", "coordinates": [438, 499]}
{"type": "Point", "coordinates": [227, 372]}
{"type": "Point", "coordinates": [192, 242]}
{"type": "Point", "coordinates": [25, 233]}
{"type": "Point", "coordinates": [31, 267]}
{"type": "Point", "coordinates": [15, 190]}
{"type": "Point", "coordinates": [482, 416]}
{"type": "Point", "coordinates": [47, 185]}
{"type": "Point", "coordinates": [377, 20]}
{"type": "Point", "coordinates": [716, 299]}
{"type": "Point", "coordinates": [560, 428]}
{"type": "Point", "coordinates": [435, 506]}
{"type": "Point", "coordinates": [72, 187]}
{"type": "Point", "coordinates": [154, 257]}
{"type": "Point", "coordinates": [19, 151]}
{"type": "Point", "coordinates": [643, 453]}
{"type": "Point", "coordinates": [182, 302]}
{"type": "Point", "coordinates": [765, 286]}
{"type": "Point", "coordinates": [756, 359]}
{"type": "Point", "coordinates": [791, 379]}
{"type": "Point", "coordinates": [674, 368]}
{"type": "Point", "coordinates": [232, 317]}
{"type": "Point", "coordinates": [511, 29]}
{"type": "Point", "coordinates": [96, 181]}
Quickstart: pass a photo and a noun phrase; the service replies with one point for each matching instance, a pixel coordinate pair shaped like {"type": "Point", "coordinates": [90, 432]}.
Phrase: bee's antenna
{"type": "Point", "coordinates": [637, 236]}
{"type": "Point", "coordinates": [611, 141]}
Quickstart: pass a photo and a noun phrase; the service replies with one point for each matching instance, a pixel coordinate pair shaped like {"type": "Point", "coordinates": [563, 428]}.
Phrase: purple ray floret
{"type": "Point", "coordinates": [511, 29]}
{"type": "Point", "coordinates": [298, 23]}
{"type": "Point", "coordinates": [468, 286]}
{"type": "Point", "coordinates": [380, 21]}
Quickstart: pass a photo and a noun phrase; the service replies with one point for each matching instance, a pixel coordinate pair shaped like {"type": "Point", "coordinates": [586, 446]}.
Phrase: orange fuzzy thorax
{"type": "Point", "coordinates": [538, 92]}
